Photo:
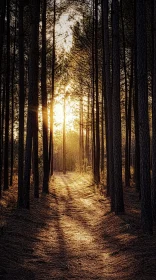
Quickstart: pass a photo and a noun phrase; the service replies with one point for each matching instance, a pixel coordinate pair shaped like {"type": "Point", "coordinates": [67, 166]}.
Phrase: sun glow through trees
{"type": "Point", "coordinates": [71, 114]}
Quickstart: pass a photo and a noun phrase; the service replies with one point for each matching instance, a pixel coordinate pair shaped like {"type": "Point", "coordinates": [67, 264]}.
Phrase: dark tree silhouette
{"type": "Point", "coordinates": [21, 107]}
{"type": "Point", "coordinates": [51, 142]}
{"type": "Point", "coordinates": [108, 100]}
{"type": "Point", "coordinates": [7, 100]}
{"type": "Point", "coordinates": [154, 117]}
{"type": "Point", "coordinates": [97, 123]}
{"type": "Point", "coordinates": [32, 119]}
{"type": "Point", "coordinates": [13, 74]}
{"type": "Point", "coordinates": [119, 203]}
{"type": "Point", "coordinates": [2, 32]}
{"type": "Point", "coordinates": [141, 36]}
{"type": "Point", "coordinates": [44, 100]}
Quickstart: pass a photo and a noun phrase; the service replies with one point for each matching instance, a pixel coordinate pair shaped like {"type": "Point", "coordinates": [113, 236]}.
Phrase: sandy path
{"type": "Point", "coordinates": [70, 234]}
{"type": "Point", "coordinates": [77, 246]}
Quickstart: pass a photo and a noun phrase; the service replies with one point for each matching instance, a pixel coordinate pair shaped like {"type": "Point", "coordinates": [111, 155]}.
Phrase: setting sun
{"type": "Point", "coordinates": [70, 114]}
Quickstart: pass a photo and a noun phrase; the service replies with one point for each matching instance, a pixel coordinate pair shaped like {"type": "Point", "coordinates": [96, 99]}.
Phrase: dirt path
{"type": "Point", "coordinates": [70, 234]}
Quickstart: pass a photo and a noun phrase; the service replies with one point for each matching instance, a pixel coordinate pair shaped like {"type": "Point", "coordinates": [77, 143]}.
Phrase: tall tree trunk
{"type": "Point", "coordinates": [119, 202]}
{"type": "Point", "coordinates": [93, 91]}
{"type": "Point", "coordinates": [82, 133]}
{"type": "Point", "coordinates": [154, 117]}
{"type": "Point", "coordinates": [87, 133]}
{"type": "Point", "coordinates": [107, 142]}
{"type": "Point", "coordinates": [97, 129]}
{"type": "Point", "coordinates": [44, 101]}
{"type": "Point", "coordinates": [146, 211]}
{"type": "Point", "coordinates": [2, 30]}
{"type": "Point", "coordinates": [81, 136]}
{"type": "Point", "coordinates": [127, 179]}
{"type": "Point", "coordinates": [136, 119]}
{"type": "Point", "coordinates": [35, 62]}
{"type": "Point", "coordinates": [51, 144]}
{"type": "Point", "coordinates": [12, 100]}
{"type": "Point", "coordinates": [93, 131]}
{"type": "Point", "coordinates": [64, 136]}
{"type": "Point", "coordinates": [32, 119]}
{"type": "Point", "coordinates": [102, 134]}
{"type": "Point", "coordinates": [6, 153]}
{"type": "Point", "coordinates": [108, 101]}
{"type": "Point", "coordinates": [21, 107]}
{"type": "Point", "coordinates": [129, 117]}
{"type": "Point", "coordinates": [3, 115]}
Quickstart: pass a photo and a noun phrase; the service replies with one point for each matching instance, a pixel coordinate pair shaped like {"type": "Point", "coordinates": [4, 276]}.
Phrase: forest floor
{"type": "Point", "coordinates": [71, 234]}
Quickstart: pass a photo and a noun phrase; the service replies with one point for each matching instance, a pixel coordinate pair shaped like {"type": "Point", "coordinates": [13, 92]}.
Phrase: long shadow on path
{"type": "Point", "coordinates": [71, 234]}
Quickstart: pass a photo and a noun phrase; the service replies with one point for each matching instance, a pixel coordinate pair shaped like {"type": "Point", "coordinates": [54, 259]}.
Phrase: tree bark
{"type": "Point", "coordinates": [21, 107]}
{"type": "Point", "coordinates": [93, 92]}
{"type": "Point", "coordinates": [44, 101]}
{"type": "Point", "coordinates": [7, 113]}
{"type": "Point", "coordinates": [64, 136]}
{"type": "Point", "coordinates": [108, 101]}
{"type": "Point", "coordinates": [136, 119]}
{"type": "Point", "coordinates": [51, 144]}
{"type": "Point", "coordinates": [146, 210]}
{"type": "Point", "coordinates": [12, 99]}
{"type": "Point", "coordinates": [32, 119]}
{"type": "Point", "coordinates": [119, 202]}
{"type": "Point", "coordinates": [127, 179]}
{"type": "Point", "coordinates": [154, 117]}
{"type": "Point", "coordinates": [97, 129]}
{"type": "Point", "coordinates": [2, 31]}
